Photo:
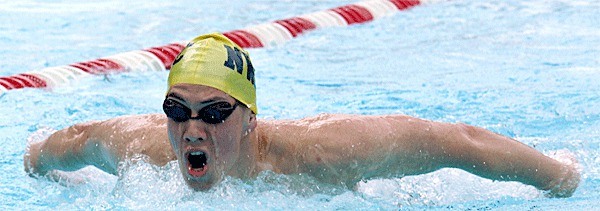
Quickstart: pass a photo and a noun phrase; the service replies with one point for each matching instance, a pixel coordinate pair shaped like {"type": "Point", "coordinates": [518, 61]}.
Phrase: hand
{"type": "Point", "coordinates": [571, 175]}
{"type": "Point", "coordinates": [32, 150]}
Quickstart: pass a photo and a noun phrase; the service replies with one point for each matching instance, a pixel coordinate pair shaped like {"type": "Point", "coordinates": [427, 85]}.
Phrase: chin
{"type": "Point", "coordinates": [198, 186]}
{"type": "Point", "coordinates": [202, 183]}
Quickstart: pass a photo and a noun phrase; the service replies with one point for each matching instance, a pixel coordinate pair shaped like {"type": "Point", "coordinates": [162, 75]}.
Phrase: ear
{"type": "Point", "coordinates": [249, 121]}
{"type": "Point", "coordinates": [252, 122]}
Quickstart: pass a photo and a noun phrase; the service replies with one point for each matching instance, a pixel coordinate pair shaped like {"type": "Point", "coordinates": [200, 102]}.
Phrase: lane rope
{"type": "Point", "coordinates": [257, 36]}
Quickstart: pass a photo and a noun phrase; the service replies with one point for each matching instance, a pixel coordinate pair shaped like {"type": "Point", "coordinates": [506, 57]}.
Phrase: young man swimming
{"type": "Point", "coordinates": [211, 129]}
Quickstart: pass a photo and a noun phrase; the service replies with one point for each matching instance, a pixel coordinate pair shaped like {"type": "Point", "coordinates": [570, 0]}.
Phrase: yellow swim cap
{"type": "Point", "coordinates": [214, 60]}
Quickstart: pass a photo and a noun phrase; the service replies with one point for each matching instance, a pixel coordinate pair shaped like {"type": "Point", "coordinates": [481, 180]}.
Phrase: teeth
{"type": "Point", "coordinates": [196, 153]}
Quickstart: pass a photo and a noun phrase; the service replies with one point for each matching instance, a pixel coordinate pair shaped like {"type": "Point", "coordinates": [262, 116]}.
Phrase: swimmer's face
{"type": "Point", "coordinates": [206, 151]}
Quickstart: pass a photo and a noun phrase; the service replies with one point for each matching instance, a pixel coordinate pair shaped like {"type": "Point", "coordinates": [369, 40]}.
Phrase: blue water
{"type": "Point", "coordinates": [525, 69]}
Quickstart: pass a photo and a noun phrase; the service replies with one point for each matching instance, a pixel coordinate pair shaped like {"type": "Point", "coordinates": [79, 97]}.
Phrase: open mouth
{"type": "Point", "coordinates": [197, 163]}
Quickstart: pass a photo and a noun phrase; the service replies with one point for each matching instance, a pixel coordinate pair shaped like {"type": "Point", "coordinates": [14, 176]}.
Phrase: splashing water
{"type": "Point", "coordinates": [525, 69]}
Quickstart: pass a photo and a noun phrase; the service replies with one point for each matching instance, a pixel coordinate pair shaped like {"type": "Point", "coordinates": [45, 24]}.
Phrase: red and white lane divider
{"type": "Point", "coordinates": [160, 58]}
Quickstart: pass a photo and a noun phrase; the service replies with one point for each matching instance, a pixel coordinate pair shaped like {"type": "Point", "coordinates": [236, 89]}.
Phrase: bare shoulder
{"type": "Point", "coordinates": [354, 124]}
{"type": "Point", "coordinates": [337, 133]}
{"type": "Point", "coordinates": [341, 125]}
{"type": "Point", "coordinates": [132, 135]}
{"type": "Point", "coordinates": [136, 121]}
{"type": "Point", "coordinates": [344, 119]}
{"type": "Point", "coordinates": [132, 126]}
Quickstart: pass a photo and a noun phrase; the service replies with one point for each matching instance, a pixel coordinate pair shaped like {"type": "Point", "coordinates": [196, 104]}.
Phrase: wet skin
{"type": "Point", "coordinates": [334, 148]}
{"type": "Point", "coordinates": [220, 143]}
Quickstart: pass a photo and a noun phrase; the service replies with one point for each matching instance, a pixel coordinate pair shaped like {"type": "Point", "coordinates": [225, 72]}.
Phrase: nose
{"type": "Point", "coordinates": [195, 131]}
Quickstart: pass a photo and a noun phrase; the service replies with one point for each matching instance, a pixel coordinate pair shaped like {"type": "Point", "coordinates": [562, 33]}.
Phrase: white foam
{"type": "Point", "coordinates": [40, 135]}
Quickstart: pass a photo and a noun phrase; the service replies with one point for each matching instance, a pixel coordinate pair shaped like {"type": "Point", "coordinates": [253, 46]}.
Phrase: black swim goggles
{"type": "Point", "coordinates": [214, 113]}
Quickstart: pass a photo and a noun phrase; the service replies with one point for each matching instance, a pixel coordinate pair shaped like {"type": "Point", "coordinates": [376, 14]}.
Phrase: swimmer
{"type": "Point", "coordinates": [210, 127]}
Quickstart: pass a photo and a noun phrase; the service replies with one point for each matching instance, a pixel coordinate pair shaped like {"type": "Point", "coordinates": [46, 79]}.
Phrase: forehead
{"type": "Point", "coordinates": [193, 93]}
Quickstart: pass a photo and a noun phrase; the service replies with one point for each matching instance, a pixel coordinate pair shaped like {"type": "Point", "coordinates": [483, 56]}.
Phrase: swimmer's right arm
{"type": "Point", "coordinates": [102, 144]}
{"type": "Point", "coordinates": [69, 149]}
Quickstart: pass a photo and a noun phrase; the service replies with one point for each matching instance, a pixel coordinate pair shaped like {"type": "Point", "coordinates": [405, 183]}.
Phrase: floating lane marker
{"type": "Point", "coordinates": [379, 8]}
{"type": "Point", "coordinates": [296, 25]}
{"type": "Point", "coordinates": [324, 19]}
{"type": "Point", "coordinates": [244, 38]}
{"type": "Point", "coordinates": [166, 54]}
{"type": "Point", "coordinates": [160, 58]}
{"type": "Point", "coordinates": [2, 87]}
{"type": "Point", "coordinates": [54, 76]}
{"type": "Point", "coordinates": [31, 80]}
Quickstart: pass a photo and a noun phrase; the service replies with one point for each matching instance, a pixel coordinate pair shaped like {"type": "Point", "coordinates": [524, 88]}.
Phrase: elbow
{"type": "Point", "coordinates": [486, 153]}
{"type": "Point", "coordinates": [468, 151]}
{"type": "Point", "coordinates": [467, 132]}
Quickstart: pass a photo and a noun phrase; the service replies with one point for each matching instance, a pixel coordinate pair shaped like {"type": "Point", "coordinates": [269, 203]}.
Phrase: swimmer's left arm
{"type": "Point", "coordinates": [347, 149]}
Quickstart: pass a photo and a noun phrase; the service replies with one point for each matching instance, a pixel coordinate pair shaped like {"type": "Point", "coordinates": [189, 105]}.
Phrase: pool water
{"type": "Point", "coordinates": [526, 69]}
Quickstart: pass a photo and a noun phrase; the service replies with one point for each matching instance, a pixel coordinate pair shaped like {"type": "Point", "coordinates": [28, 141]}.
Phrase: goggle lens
{"type": "Point", "coordinates": [212, 114]}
